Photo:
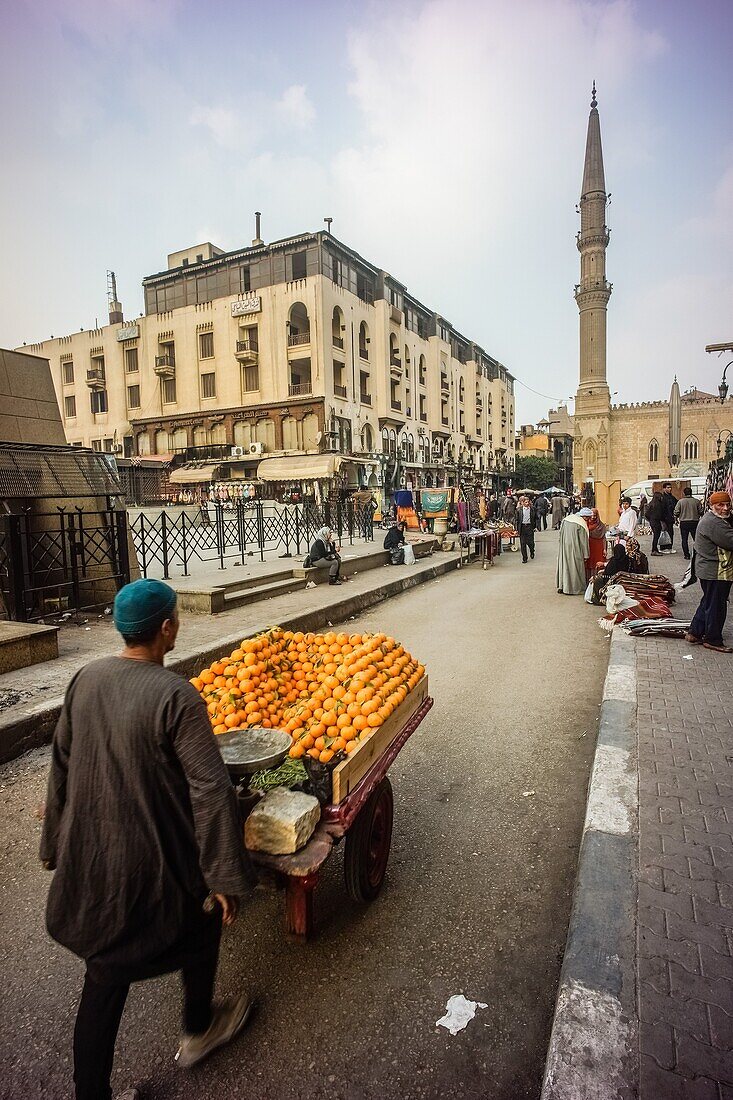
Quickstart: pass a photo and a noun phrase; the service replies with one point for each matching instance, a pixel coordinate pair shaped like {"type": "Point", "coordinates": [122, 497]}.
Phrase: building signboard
{"type": "Point", "coordinates": [251, 303]}
{"type": "Point", "coordinates": [128, 332]}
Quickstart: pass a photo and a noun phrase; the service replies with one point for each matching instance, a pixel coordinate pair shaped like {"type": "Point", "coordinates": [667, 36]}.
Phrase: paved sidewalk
{"type": "Point", "coordinates": [685, 900]}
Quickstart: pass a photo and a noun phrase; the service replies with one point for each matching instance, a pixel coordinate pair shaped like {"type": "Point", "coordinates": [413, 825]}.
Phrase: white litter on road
{"type": "Point", "coordinates": [459, 1012]}
{"type": "Point", "coordinates": [528, 794]}
{"type": "Point", "coordinates": [687, 657]}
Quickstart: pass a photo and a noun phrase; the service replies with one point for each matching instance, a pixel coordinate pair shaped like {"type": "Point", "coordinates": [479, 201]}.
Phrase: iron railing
{"type": "Point", "coordinates": [61, 560]}
{"type": "Point", "coordinates": [219, 532]}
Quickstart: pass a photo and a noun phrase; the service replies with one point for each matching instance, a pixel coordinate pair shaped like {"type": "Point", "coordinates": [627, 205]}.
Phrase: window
{"type": "Point", "coordinates": [654, 451]}
{"type": "Point", "coordinates": [133, 397]}
{"type": "Point", "coordinates": [131, 363]}
{"type": "Point", "coordinates": [250, 379]}
{"type": "Point", "coordinates": [70, 407]}
{"type": "Point", "coordinates": [206, 345]}
{"type": "Point", "coordinates": [244, 282]}
{"type": "Point", "coordinates": [299, 267]}
{"type": "Point", "coordinates": [96, 444]}
{"type": "Point", "coordinates": [691, 447]}
{"type": "Point", "coordinates": [208, 385]}
{"type": "Point", "coordinates": [108, 444]}
{"type": "Point", "coordinates": [168, 387]}
{"type": "Point", "coordinates": [98, 401]}
{"type": "Point", "coordinates": [67, 369]}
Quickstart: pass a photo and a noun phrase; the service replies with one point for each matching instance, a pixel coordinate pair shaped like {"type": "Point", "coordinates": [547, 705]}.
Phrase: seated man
{"type": "Point", "coordinates": [394, 541]}
{"type": "Point", "coordinates": [324, 555]}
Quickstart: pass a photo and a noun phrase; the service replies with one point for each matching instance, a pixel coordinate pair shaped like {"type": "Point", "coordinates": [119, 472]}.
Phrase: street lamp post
{"type": "Point", "coordinates": [728, 434]}
{"type": "Point", "coordinates": [723, 387]}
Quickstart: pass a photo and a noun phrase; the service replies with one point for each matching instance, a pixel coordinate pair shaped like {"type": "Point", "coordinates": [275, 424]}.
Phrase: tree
{"type": "Point", "coordinates": [532, 472]}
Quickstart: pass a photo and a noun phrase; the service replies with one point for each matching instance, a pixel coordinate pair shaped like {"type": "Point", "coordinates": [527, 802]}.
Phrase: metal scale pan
{"type": "Point", "coordinates": [252, 750]}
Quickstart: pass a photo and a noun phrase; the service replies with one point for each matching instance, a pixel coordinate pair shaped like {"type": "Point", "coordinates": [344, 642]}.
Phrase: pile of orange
{"type": "Point", "coordinates": [329, 691]}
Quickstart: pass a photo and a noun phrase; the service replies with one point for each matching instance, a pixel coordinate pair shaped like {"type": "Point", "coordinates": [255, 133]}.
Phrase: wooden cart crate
{"type": "Point", "coordinates": [347, 774]}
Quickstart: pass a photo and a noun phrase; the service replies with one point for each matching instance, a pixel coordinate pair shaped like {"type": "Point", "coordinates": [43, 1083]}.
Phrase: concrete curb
{"type": "Point", "coordinates": [36, 726]}
{"type": "Point", "coordinates": [593, 1049]}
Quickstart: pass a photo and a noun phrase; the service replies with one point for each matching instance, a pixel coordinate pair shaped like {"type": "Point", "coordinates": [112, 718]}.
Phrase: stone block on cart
{"type": "Point", "coordinates": [282, 823]}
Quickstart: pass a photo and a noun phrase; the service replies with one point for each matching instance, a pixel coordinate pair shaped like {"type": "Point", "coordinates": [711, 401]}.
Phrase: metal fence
{"type": "Point", "coordinates": [61, 560]}
{"type": "Point", "coordinates": [219, 532]}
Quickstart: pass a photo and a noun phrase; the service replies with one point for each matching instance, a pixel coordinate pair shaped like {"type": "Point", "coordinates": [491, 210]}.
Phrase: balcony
{"type": "Point", "coordinates": [444, 421]}
{"type": "Point", "coordinates": [299, 339]}
{"type": "Point", "coordinates": [165, 366]}
{"type": "Point", "coordinates": [95, 378]}
{"type": "Point", "coordinates": [247, 350]}
{"type": "Point", "coordinates": [396, 406]}
{"type": "Point", "coordinates": [363, 352]}
{"type": "Point", "coordinates": [444, 383]}
{"type": "Point", "coordinates": [365, 398]}
{"type": "Point", "coordinates": [339, 391]}
{"type": "Point", "coordinates": [338, 342]}
{"type": "Point", "coordinates": [424, 417]}
{"type": "Point", "coordinates": [299, 389]}
{"type": "Point", "coordinates": [408, 411]}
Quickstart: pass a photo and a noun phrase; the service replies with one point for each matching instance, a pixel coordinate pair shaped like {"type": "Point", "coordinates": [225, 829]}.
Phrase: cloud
{"type": "Point", "coordinates": [295, 106]}
{"type": "Point", "coordinates": [223, 125]}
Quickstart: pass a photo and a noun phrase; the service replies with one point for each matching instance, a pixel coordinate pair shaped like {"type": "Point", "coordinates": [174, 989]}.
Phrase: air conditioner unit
{"type": "Point", "coordinates": [237, 452]}
{"type": "Point", "coordinates": [117, 449]}
{"type": "Point", "coordinates": [256, 448]}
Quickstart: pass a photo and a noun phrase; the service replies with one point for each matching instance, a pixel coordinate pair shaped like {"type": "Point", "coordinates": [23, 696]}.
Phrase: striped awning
{"type": "Point", "coordinates": [299, 467]}
{"type": "Point", "coordinates": [192, 475]}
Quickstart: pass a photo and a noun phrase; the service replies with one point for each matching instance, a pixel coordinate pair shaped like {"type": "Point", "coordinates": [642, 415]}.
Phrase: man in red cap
{"type": "Point", "coordinates": [714, 565]}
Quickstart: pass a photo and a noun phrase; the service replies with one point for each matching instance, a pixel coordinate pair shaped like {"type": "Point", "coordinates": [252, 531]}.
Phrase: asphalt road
{"type": "Point", "coordinates": [476, 900]}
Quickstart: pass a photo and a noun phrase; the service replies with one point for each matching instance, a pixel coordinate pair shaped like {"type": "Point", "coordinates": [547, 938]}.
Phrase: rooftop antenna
{"type": "Point", "coordinates": [113, 302]}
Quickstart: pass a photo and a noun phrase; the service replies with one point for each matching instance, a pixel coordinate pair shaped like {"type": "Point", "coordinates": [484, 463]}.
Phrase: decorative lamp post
{"type": "Point", "coordinates": [728, 435]}
{"type": "Point", "coordinates": [723, 387]}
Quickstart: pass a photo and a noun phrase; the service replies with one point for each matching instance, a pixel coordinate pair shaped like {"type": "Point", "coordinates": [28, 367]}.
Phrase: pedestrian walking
{"type": "Point", "coordinates": [525, 523]}
{"type": "Point", "coordinates": [669, 501]}
{"type": "Point", "coordinates": [714, 560]}
{"type": "Point", "coordinates": [542, 507]}
{"type": "Point", "coordinates": [141, 827]}
{"type": "Point", "coordinates": [509, 509]}
{"type": "Point", "coordinates": [688, 511]}
{"type": "Point", "coordinates": [558, 511]}
{"type": "Point", "coordinates": [655, 511]}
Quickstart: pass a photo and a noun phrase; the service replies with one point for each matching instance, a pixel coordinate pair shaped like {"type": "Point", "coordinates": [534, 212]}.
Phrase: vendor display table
{"type": "Point", "coordinates": [486, 546]}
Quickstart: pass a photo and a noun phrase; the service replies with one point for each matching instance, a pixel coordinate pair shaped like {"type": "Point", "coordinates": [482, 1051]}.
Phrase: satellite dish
{"type": "Point", "coordinates": [319, 437]}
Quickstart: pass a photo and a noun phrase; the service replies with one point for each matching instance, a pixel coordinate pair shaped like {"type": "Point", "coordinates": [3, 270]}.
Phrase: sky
{"type": "Point", "coordinates": [444, 137]}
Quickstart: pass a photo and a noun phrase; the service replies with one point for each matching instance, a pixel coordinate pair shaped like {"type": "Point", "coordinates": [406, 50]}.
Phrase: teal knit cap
{"type": "Point", "coordinates": [143, 606]}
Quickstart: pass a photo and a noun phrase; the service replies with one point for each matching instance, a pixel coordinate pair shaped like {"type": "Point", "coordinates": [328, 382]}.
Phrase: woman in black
{"type": "Point", "coordinates": [617, 563]}
{"type": "Point", "coordinates": [323, 555]}
{"type": "Point", "coordinates": [394, 540]}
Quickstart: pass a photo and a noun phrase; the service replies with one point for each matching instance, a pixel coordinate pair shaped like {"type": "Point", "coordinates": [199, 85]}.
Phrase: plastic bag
{"type": "Point", "coordinates": [396, 556]}
{"type": "Point", "coordinates": [409, 553]}
{"type": "Point", "coordinates": [665, 541]}
{"type": "Point", "coordinates": [588, 597]}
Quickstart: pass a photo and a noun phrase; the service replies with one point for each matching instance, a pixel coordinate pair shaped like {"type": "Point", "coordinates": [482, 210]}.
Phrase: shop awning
{"type": "Point", "coordinates": [192, 475]}
{"type": "Point", "coordinates": [298, 467]}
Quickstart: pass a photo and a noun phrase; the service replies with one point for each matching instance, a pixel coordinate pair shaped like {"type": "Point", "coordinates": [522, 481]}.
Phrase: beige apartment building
{"type": "Point", "coordinates": [293, 347]}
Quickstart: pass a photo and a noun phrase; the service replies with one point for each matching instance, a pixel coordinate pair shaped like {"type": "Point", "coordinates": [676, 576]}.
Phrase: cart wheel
{"type": "Point", "coordinates": [368, 843]}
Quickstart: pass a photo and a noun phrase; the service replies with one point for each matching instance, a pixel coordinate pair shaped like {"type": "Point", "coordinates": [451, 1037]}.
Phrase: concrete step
{"type": "Point", "coordinates": [264, 591]}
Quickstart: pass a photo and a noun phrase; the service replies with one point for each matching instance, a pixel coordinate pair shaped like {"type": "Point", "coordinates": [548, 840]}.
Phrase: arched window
{"type": "Point", "coordinates": [367, 438]}
{"type": "Point", "coordinates": [385, 441]}
{"type": "Point", "coordinates": [364, 340]}
{"type": "Point", "coordinates": [421, 371]}
{"type": "Point", "coordinates": [461, 390]}
{"type": "Point", "coordinates": [265, 433]}
{"type": "Point", "coordinates": [299, 328]}
{"type": "Point", "coordinates": [590, 455]}
{"type": "Point", "coordinates": [309, 428]}
{"type": "Point", "coordinates": [337, 328]}
{"type": "Point", "coordinates": [691, 447]}
{"type": "Point", "coordinates": [219, 435]}
{"type": "Point", "coordinates": [654, 451]}
{"type": "Point", "coordinates": [243, 433]}
{"type": "Point", "coordinates": [161, 442]}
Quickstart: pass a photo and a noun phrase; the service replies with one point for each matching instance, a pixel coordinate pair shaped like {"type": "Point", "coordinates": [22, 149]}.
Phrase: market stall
{"type": "Point", "coordinates": [343, 706]}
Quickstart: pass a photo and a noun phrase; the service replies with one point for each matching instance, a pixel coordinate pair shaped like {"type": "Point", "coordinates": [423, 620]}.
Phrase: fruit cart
{"type": "Point", "coordinates": [360, 811]}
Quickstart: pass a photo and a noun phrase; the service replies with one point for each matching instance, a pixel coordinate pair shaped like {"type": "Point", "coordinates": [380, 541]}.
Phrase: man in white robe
{"type": "Point", "coordinates": [572, 555]}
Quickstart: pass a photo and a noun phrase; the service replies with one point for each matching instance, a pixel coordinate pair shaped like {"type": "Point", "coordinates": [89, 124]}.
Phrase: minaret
{"type": "Point", "coordinates": [593, 401]}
